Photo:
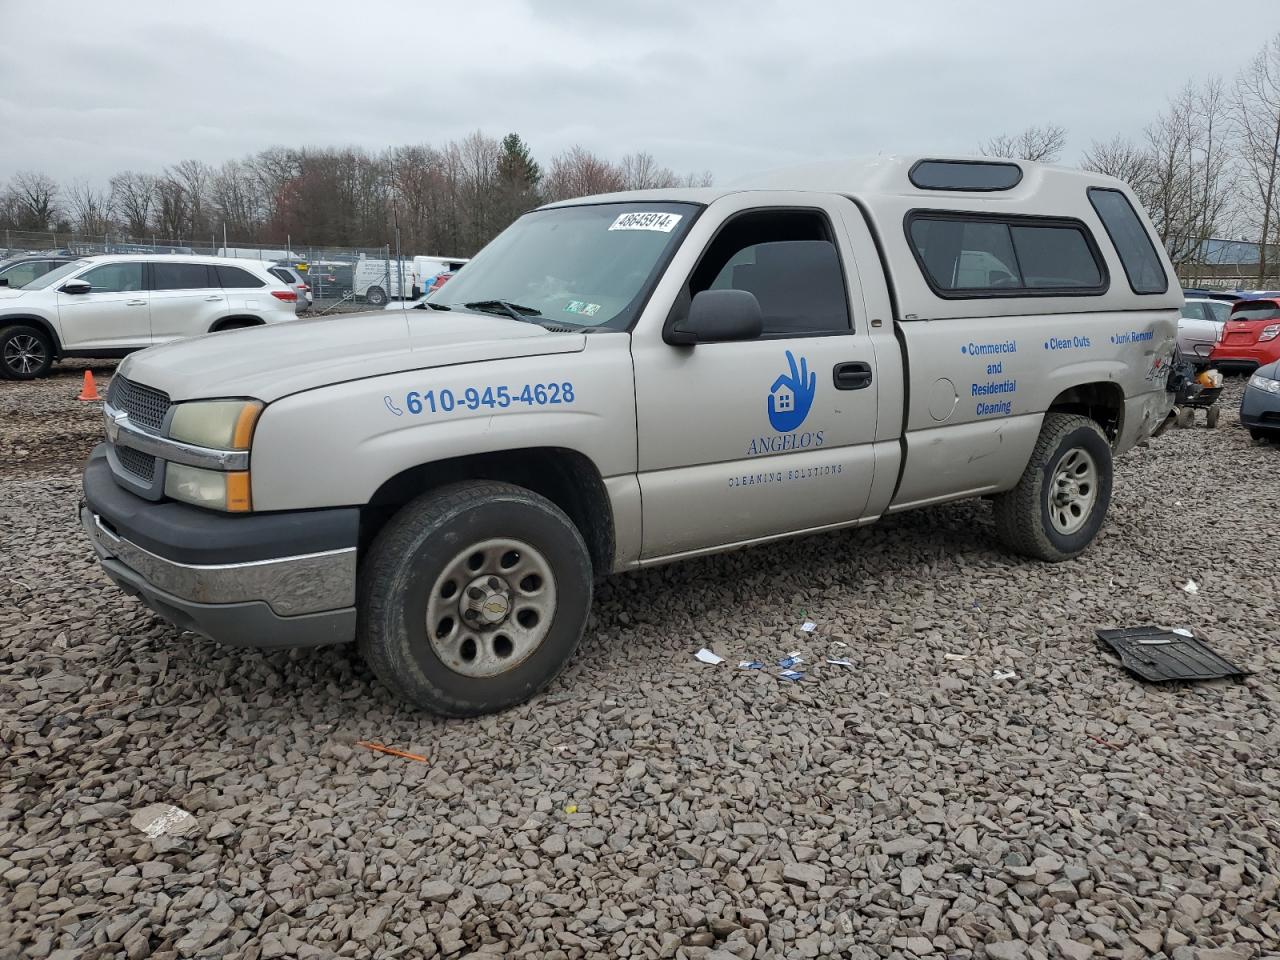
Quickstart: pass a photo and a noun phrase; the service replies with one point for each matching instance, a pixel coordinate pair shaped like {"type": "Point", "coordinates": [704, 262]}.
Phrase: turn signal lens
{"type": "Point", "coordinates": [211, 489]}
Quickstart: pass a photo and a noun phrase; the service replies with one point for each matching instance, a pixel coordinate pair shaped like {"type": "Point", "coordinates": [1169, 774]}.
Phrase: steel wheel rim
{"type": "Point", "coordinates": [491, 607]}
{"type": "Point", "coordinates": [1074, 492]}
{"type": "Point", "coordinates": [23, 353]}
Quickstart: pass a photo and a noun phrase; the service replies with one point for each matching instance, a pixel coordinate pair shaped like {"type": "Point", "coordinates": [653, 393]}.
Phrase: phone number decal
{"type": "Point", "coordinates": [495, 398]}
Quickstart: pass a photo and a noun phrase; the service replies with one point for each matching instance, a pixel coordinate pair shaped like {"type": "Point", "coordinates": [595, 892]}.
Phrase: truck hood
{"type": "Point", "coordinates": [284, 358]}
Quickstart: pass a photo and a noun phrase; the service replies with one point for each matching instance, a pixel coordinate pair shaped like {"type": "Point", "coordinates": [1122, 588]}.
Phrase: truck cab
{"type": "Point", "coordinates": [632, 379]}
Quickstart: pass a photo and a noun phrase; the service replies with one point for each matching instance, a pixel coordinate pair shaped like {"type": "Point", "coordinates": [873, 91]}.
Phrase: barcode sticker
{"type": "Point", "coordinates": [661, 222]}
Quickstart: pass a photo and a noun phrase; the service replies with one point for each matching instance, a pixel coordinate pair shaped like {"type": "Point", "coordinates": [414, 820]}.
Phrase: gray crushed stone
{"type": "Point", "coordinates": [908, 806]}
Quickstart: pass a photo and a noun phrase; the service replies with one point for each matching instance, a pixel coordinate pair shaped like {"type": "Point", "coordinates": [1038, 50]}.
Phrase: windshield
{"type": "Point", "coordinates": [53, 276]}
{"type": "Point", "coordinates": [590, 265]}
{"type": "Point", "coordinates": [1262, 310]}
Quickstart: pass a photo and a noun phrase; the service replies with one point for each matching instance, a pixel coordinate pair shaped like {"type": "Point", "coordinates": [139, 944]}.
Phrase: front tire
{"type": "Point", "coordinates": [1061, 501]}
{"type": "Point", "coordinates": [376, 296]}
{"type": "Point", "coordinates": [25, 352]}
{"type": "Point", "coordinates": [473, 598]}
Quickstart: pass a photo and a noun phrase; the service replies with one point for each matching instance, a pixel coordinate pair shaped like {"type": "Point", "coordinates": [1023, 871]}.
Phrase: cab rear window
{"type": "Point", "coordinates": [964, 255]}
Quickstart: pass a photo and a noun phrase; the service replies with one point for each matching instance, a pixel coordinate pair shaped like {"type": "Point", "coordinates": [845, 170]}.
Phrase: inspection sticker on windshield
{"type": "Point", "coordinates": [662, 222]}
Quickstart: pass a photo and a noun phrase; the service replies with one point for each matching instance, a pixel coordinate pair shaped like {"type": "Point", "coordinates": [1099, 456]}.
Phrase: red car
{"type": "Point", "coordinates": [1251, 337]}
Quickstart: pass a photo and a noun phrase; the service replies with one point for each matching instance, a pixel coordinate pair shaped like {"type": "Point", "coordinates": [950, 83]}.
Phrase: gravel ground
{"type": "Point", "coordinates": [649, 805]}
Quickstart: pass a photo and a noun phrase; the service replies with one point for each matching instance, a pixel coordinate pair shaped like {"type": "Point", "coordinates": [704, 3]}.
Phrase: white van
{"type": "Point", "coordinates": [378, 281]}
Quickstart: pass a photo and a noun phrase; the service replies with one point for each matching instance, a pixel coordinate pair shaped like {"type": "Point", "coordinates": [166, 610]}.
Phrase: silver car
{"type": "Point", "coordinates": [295, 280]}
{"type": "Point", "coordinates": [1200, 327]}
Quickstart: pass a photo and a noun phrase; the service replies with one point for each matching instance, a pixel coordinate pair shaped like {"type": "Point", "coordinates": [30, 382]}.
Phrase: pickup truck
{"type": "Point", "coordinates": [626, 380]}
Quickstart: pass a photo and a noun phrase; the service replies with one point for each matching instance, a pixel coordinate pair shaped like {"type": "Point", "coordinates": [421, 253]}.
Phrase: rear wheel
{"type": "Point", "coordinates": [1211, 417]}
{"type": "Point", "coordinates": [1059, 505]}
{"type": "Point", "coordinates": [25, 352]}
{"type": "Point", "coordinates": [473, 598]}
{"type": "Point", "coordinates": [376, 296]}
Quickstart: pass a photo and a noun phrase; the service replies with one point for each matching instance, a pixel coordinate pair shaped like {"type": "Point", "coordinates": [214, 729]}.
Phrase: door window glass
{"type": "Point", "coordinates": [1220, 311]}
{"type": "Point", "coordinates": [114, 277]}
{"type": "Point", "coordinates": [787, 259]}
{"type": "Point", "coordinates": [23, 273]}
{"type": "Point", "coordinates": [234, 278]}
{"type": "Point", "coordinates": [181, 276]}
{"type": "Point", "coordinates": [1193, 310]}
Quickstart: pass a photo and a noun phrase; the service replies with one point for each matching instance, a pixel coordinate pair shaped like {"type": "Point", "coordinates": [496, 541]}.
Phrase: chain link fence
{"type": "Point", "coordinates": [340, 278]}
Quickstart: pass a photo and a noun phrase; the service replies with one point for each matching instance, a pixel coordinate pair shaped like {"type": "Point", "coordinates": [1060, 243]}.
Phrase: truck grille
{"type": "Point", "coordinates": [144, 405]}
{"type": "Point", "coordinates": [141, 465]}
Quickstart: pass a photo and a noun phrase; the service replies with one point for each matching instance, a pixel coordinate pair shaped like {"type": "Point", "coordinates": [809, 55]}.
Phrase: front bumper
{"type": "Point", "coordinates": [1260, 409]}
{"type": "Point", "coordinates": [243, 581]}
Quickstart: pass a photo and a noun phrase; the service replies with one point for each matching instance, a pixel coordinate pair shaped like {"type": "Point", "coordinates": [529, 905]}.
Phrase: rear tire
{"type": "Point", "coordinates": [1186, 417]}
{"type": "Point", "coordinates": [1211, 417]}
{"type": "Point", "coordinates": [473, 597]}
{"type": "Point", "coordinates": [25, 352]}
{"type": "Point", "coordinates": [1061, 501]}
{"type": "Point", "coordinates": [376, 296]}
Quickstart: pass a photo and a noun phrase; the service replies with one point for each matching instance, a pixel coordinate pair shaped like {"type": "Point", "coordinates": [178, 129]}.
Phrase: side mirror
{"type": "Point", "coordinates": [76, 286]}
{"type": "Point", "coordinates": [716, 316]}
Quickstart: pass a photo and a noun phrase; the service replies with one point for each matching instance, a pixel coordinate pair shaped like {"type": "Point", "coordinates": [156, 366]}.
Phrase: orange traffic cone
{"type": "Point", "coordinates": [90, 389]}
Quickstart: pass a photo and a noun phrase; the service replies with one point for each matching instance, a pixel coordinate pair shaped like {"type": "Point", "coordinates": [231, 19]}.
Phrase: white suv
{"type": "Point", "coordinates": [110, 306]}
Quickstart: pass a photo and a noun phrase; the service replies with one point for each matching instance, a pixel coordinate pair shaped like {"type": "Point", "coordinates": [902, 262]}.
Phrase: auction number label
{"type": "Point", "coordinates": [494, 398]}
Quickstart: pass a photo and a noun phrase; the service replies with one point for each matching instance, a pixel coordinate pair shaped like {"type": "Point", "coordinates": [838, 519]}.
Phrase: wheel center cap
{"type": "Point", "coordinates": [486, 601]}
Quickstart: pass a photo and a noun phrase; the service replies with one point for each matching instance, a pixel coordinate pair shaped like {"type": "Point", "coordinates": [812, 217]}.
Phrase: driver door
{"type": "Point", "coordinates": [113, 315]}
{"type": "Point", "coordinates": [746, 440]}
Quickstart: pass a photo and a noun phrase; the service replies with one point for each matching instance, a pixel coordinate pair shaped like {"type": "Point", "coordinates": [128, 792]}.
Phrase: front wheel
{"type": "Point", "coordinates": [376, 296]}
{"type": "Point", "coordinates": [1061, 500]}
{"type": "Point", "coordinates": [473, 598]}
{"type": "Point", "coordinates": [25, 353]}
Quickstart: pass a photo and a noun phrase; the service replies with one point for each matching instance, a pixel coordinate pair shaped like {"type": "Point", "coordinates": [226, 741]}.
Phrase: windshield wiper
{"type": "Point", "coordinates": [514, 310]}
{"type": "Point", "coordinates": [436, 306]}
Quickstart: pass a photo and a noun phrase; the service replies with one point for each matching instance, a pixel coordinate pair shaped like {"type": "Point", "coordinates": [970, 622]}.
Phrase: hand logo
{"type": "Point", "coordinates": [790, 397]}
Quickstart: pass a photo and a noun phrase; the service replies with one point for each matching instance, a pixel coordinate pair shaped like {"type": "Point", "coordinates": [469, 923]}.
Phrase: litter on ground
{"type": "Point", "coordinates": [840, 663]}
{"type": "Point", "coordinates": [163, 819]}
{"type": "Point", "coordinates": [750, 665]}
{"type": "Point", "coordinates": [791, 675]}
{"type": "Point", "coordinates": [390, 751]}
{"type": "Point", "coordinates": [1003, 675]}
{"type": "Point", "coordinates": [1159, 655]}
{"type": "Point", "coordinates": [955, 656]}
{"type": "Point", "coordinates": [1191, 587]}
{"type": "Point", "coordinates": [706, 656]}
{"type": "Point", "coordinates": [809, 626]}
{"type": "Point", "coordinates": [791, 659]}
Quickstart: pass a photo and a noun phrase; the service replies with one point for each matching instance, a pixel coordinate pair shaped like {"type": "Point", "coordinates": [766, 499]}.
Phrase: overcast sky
{"type": "Point", "coordinates": [89, 88]}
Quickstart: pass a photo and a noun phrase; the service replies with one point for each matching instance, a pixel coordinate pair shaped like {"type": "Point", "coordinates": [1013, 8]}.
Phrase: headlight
{"type": "Point", "coordinates": [221, 424]}
{"type": "Point", "coordinates": [208, 488]}
{"type": "Point", "coordinates": [1264, 383]}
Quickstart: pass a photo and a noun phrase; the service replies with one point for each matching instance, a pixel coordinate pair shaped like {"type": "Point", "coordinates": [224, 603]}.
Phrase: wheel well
{"type": "Point", "coordinates": [43, 324]}
{"type": "Point", "coordinates": [565, 477]}
{"type": "Point", "coordinates": [1101, 402]}
{"type": "Point", "coordinates": [229, 323]}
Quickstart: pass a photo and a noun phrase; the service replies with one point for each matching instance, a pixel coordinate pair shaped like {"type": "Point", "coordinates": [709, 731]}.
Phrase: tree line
{"type": "Point", "coordinates": [451, 199]}
{"type": "Point", "coordinates": [1208, 166]}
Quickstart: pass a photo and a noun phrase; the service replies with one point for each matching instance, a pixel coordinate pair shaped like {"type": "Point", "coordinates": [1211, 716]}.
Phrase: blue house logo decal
{"type": "Point", "coordinates": [791, 396]}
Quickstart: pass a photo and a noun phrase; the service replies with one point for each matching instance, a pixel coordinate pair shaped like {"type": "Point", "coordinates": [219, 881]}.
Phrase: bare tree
{"type": "Point", "coordinates": [132, 197]}
{"type": "Point", "coordinates": [194, 177]}
{"type": "Point", "coordinates": [1121, 158]}
{"type": "Point", "coordinates": [172, 207]}
{"type": "Point", "coordinates": [34, 199]}
{"type": "Point", "coordinates": [1034, 143]}
{"type": "Point", "coordinates": [236, 200]}
{"type": "Point", "coordinates": [640, 171]}
{"type": "Point", "coordinates": [90, 208]}
{"type": "Point", "coordinates": [578, 173]}
{"type": "Point", "coordinates": [1256, 122]}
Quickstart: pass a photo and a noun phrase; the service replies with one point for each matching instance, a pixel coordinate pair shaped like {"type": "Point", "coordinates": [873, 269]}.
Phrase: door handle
{"type": "Point", "coordinates": [136, 303]}
{"type": "Point", "coordinates": [854, 375]}
{"type": "Point", "coordinates": [213, 298]}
